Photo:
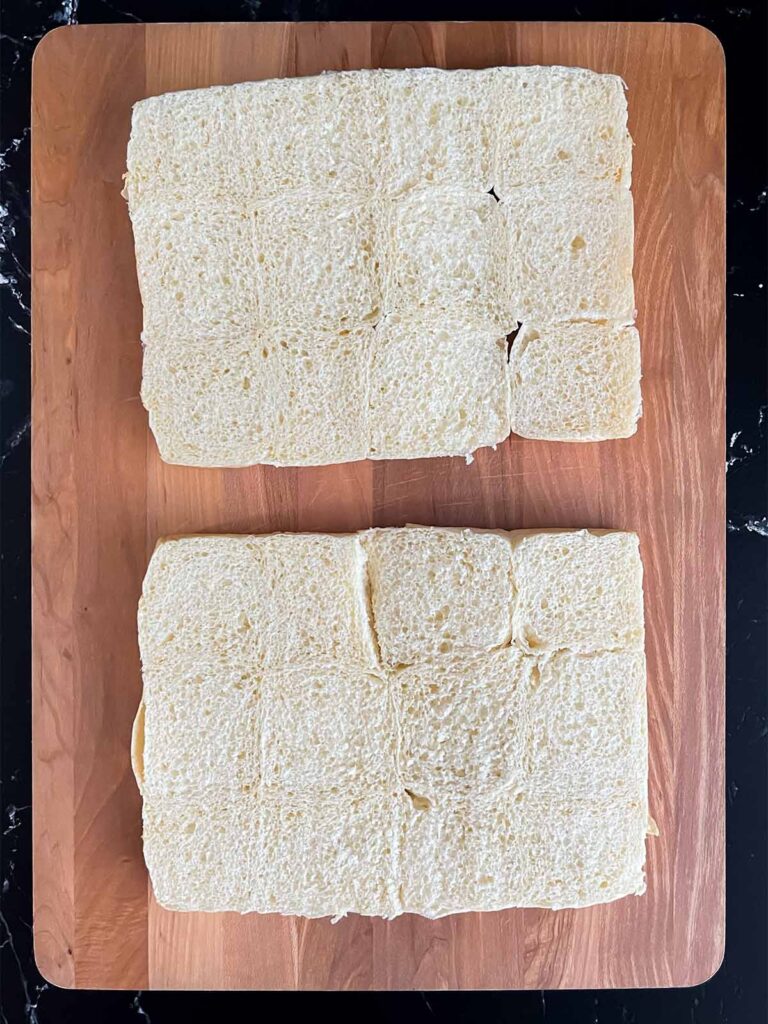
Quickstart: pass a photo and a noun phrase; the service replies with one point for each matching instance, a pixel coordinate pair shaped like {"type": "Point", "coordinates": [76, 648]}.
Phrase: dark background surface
{"type": "Point", "coordinates": [738, 993]}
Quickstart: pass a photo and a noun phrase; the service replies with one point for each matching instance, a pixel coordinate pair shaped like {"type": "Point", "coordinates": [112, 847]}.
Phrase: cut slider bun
{"type": "Point", "coordinates": [555, 124]}
{"type": "Point", "coordinates": [463, 725]}
{"type": "Point", "coordinates": [438, 593]}
{"type": "Point", "coordinates": [196, 266]}
{"type": "Point", "coordinates": [570, 252]}
{"type": "Point", "coordinates": [577, 590]}
{"type": "Point", "coordinates": [575, 381]}
{"type": "Point", "coordinates": [435, 388]}
{"type": "Point", "coordinates": [316, 263]}
{"type": "Point", "coordinates": [344, 716]}
{"type": "Point", "coordinates": [317, 132]}
{"type": "Point", "coordinates": [176, 146]}
{"type": "Point", "coordinates": [447, 256]}
{"type": "Point", "coordinates": [439, 129]}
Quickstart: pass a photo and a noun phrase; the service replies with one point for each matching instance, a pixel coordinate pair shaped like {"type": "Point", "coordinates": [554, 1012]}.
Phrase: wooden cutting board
{"type": "Point", "coordinates": [101, 497]}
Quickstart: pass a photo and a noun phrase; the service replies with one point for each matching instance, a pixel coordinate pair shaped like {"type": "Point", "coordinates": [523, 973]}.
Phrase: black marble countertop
{"type": "Point", "coordinates": [738, 993]}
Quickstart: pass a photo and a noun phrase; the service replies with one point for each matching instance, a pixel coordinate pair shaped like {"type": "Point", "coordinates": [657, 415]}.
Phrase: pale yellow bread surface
{"type": "Point", "coordinates": [434, 388]}
{"type": "Point", "coordinates": [284, 397]}
{"type": "Point", "coordinates": [447, 251]}
{"type": "Point", "coordinates": [438, 593]}
{"type": "Point", "coordinates": [318, 213]}
{"type": "Point", "coordinates": [570, 253]}
{"type": "Point", "coordinates": [577, 590]}
{"type": "Point", "coordinates": [362, 723]}
{"type": "Point", "coordinates": [557, 124]}
{"type": "Point", "coordinates": [575, 381]}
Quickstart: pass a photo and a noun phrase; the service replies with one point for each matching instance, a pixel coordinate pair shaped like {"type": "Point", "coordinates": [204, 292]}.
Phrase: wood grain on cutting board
{"type": "Point", "coordinates": [101, 498]}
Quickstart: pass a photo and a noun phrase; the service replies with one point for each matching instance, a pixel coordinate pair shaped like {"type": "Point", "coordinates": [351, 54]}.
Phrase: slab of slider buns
{"type": "Point", "coordinates": [331, 266]}
{"type": "Point", "coordinates": [415, 720]}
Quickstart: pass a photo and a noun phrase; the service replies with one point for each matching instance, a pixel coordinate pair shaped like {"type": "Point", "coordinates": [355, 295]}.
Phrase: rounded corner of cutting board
{"type": "Point", "coordinates": [53, 40]}
{"type": "Point", "coordinates": [55, 965]}
{"type": "Point", "coordinates": [704, 39]}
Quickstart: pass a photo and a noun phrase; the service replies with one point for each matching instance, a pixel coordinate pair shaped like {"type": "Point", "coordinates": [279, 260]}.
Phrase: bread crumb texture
{"type": "Point", "coordinates": [313, 251]}
{"type": "Point", "coordinates": [413, 720]}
